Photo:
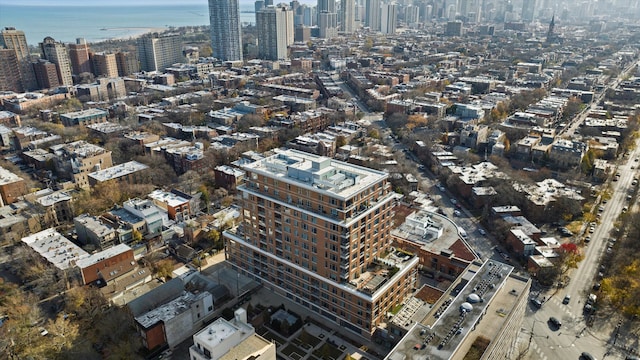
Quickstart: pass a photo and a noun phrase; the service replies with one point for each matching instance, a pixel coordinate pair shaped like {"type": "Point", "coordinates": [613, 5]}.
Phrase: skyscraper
{"type": "Point", "coordinates": [275, 32]}
{"type": "Point", "coordinates": [226, 33]}
{"type": "Point", "coordinates": [159, 52]}
{"type": "Point", "coordinates": [348, 16]}
{"type": "Point", "coordinates": [389, 18]}
{"type": "Point", "coordinates": [13, 39]}
{"type": "Point", "coordinates": [317, 230]}
{"type": "Point", "coordinates": [373, 15]}
{"type": "Point", "coordinates": [528, 10]}
{"type": "Point", "coordinates": [79, 54]}
{"type": "Point", "coordinates": [56, 53]}
{"type": "Point", "coordinates": [327, 18]}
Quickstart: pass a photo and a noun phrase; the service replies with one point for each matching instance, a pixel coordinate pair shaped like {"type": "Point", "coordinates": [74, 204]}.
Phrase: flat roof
{"type": "Point", "coordinates": [85, 113]}
{"type": "Point", "coordinates": [102, 255]}
{"type": "Point", "coordinates": [171, 309]}
{"type": "Point", "coordinates": [456, 317]}
{"type": "Point", "coordinates": [54, 247]}
{"type": "Point", "coordinates": [169, 198]}
{"type": "Point", "coordinates": [7, 177]}
{"type": "Point", "coordinates": [107, 127]}
{"type": "Point", "coordinates": [117, 171]}
{"type": "Point", "coordinates": [322, 174]}
{"type": "Point", "coordinates": [230, 340]}
{"type": "Point", "coordinates": [54, 197]}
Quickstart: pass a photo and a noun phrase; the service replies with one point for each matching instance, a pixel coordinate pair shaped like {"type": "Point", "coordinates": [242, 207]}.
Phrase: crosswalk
{"type": "Point", "coordinates": [568, 316]}
{"type": "Point", "coordinates": [539, 355]}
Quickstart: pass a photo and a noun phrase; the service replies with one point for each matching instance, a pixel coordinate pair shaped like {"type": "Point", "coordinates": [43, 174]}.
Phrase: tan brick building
{"type": "Point", "coordinates": [318, 231]}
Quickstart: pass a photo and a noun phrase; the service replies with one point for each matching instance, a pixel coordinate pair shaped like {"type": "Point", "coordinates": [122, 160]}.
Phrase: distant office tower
{"type": "Point", "coordinates": [159, 52]}
{"type": "Point", "coordinates": [258, 5]}
{"type": "Point", "coordinates": [79, 55]}
{"type": "Point", "coordinates": [226, 34]}
{"type": "Point", "coordinates": [454, 28]}
{"type": "Point", "coordinates": [309, 16]}
{"type": "Point", "coordinates": [388, 18]}
{"type": "Point", "coordinates": [327, 18]}
{"type": "Point", "coordinates": [105, 65]}
{"type": "Point", "coordinates": [9, 71]}
{"type": "Point", "coordinates": [127, 63]}
{"type": "Point", "coordinates": [348, 16]}
{"type": "Point", "coordinates": [302, 33]}
{"type": "Point", "coordinates": [13, 39]}
{"type": "Point", "coordinates": [46, 74]}
{"type": "Point", "coordinates": [317, 230]}
{"type": "Point", "coordinates": [528, 10]}
{"type": "Point", "coordinates": [411, 15]}
{"type": "Point", "coordinates": [268, 3]}
{"type": "Point", "coordinates": [56, 52]}
{"type": "Point", "coordinates": [275, 32]}
{"type": "Point", "coordinates": [373, 15]}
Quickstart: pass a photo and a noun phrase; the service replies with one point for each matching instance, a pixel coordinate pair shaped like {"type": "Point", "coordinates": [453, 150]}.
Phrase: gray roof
{"type": "Point", "coordinates": [156, 297]}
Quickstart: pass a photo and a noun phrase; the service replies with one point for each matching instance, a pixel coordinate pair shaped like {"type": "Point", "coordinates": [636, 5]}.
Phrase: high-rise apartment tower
{"type": "Point", "coordinates": [226, 33]}
{"type": "Point", "coordinates": [317, 231]}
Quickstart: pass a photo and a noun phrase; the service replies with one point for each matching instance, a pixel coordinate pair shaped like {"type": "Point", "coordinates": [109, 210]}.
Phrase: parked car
{"type": "Point", "coordinates": [566, 299]}
{"type": "Point", "coordinates": [537, 303]}
{"type": "Point", "coordinates": [482, 232]}
{"type": "Point", "coordinates": [555, 322]}
{"type": "Point", "coordinates": [457, 212]}
{"type": "Point", "coordinates": [586, 356]}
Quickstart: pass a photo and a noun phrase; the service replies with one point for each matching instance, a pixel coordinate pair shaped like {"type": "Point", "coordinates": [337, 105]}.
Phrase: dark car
{"type": "Point", "coordinates": [555, 322]}
{"type": "Point", "coordinates": [537, 303]}
{"type": "Point", "coordinates": [586, 356]}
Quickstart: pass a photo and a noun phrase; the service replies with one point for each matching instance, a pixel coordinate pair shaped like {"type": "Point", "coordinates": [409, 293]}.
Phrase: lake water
{"type": "Point", "coordinates": [105, 22]}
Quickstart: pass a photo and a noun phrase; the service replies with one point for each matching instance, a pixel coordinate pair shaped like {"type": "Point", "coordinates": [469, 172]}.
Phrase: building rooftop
{"type": "Point", "coordinates": [434, 233]}
{"type": "Point", "coordinates": [50, 197]}
{"type": "Point", "coordinates": [107, 127]}
{"type": "Point", "coordinates": [445, 330]}
{"type": "Point", "coordinates": [117, 171]}
{"type": "Point", "coordinates": [102, 255]}
{"type": "Point", "coordinates": [230, 340]}
{"type": "Point", "coordinates": [322, 174]}
{"type": "Point", "coordinates": [7, 177]}
{"type": "Point", "coordinates": [54, 247]}
{"type": "Point", "coordinates": [85, 113]}
{"type": "Point", "coordinates": [171, 309]}
{"type": "Point", "coordinates": [169, 198]}
{"type": "Point", "coordinates": [80, 148]}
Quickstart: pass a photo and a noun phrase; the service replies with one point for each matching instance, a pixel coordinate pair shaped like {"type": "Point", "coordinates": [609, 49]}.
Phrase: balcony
{"type": "Point", "coordinates": [345, 255]}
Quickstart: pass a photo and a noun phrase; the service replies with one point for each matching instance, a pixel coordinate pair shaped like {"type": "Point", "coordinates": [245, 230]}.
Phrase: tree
{"type": "Point", "coordinates": [136, 236]}
{"type": "Point", "coordinates": [163, 268]}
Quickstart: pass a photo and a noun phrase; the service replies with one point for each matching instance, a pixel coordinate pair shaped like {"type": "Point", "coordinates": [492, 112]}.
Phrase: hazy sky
{"type": "Point", "coordinates": [100, 2]}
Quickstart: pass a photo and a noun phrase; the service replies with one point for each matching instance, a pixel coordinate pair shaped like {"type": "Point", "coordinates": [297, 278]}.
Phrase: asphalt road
{"type": "Point", "coordinates": [574, 337]}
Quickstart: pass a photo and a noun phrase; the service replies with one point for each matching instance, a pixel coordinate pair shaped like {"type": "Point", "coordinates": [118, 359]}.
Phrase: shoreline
{"type": "Point", "coordinates": [133, 33]}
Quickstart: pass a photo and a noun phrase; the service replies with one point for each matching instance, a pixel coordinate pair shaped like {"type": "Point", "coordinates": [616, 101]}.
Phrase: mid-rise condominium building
{"type": "Point", "coordinates": [79, 54]}
{"type": "Point", "coordinates": [157, 52]}
{"type": "Point", "coordinates": [56, 52]}
{"type": "Point", "coordinates": [317, 231]}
